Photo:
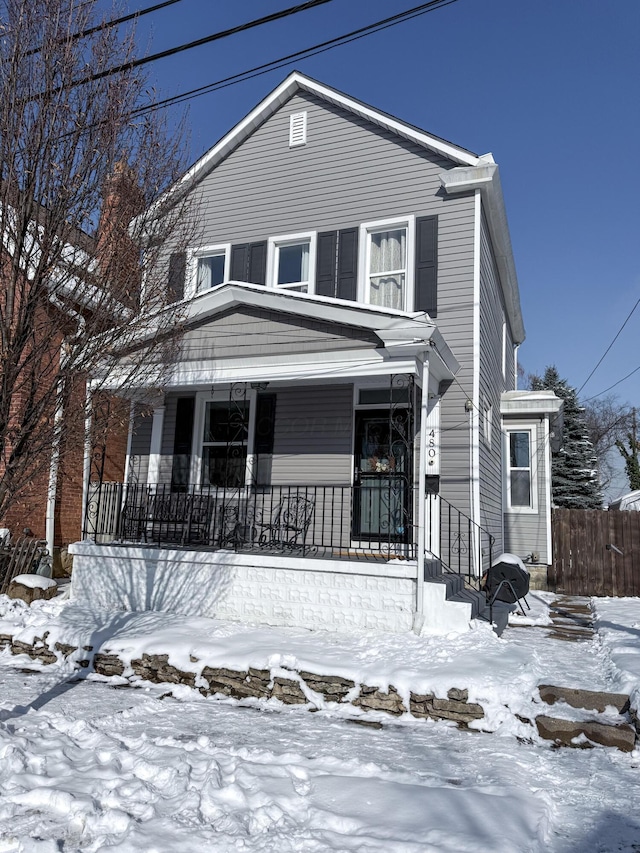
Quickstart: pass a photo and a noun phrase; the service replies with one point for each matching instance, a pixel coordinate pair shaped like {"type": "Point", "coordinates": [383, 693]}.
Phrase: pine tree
{"type": "Point", "coordinates": [574, 480]}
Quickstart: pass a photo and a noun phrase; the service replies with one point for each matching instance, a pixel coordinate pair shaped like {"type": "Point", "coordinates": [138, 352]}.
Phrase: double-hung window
{"type": "Point", "coordinates": [388, 272]}
{"type": "Point", "coordinates": [224, 443]}
{"type": "Point", "coordinates": [521, 487]}
{"type": "Point", "coordinates": [211, 267]}
{"type": "Point", "coordinates": [291, 262]}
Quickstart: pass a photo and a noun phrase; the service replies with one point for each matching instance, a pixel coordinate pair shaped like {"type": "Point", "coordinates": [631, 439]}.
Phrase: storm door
{"type": "Point", "coordinates": [382, 476]}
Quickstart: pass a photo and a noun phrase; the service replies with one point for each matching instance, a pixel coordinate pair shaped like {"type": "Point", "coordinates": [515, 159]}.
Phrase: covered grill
{"type": "Point", "coordinates": [510, 571]}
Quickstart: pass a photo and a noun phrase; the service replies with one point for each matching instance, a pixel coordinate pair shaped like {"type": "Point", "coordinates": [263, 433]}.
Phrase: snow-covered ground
{"type": "Point", "coordinates": [87, 765]}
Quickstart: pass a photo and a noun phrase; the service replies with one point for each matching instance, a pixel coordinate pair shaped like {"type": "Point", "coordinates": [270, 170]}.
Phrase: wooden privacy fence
{"type": "Point", "coordinates": [596, 552]}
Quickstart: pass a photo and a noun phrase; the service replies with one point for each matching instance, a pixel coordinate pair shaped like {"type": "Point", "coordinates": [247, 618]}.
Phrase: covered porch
{"type": "Point", "coordinates": [317, 464]}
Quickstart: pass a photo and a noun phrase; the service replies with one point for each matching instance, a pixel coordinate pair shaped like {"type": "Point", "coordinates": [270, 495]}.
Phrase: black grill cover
{"type": "Point", "coordinates": [505, 570]}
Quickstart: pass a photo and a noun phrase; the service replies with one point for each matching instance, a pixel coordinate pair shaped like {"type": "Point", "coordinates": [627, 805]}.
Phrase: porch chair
{"type": "Point", "coordinates": [289, 524]}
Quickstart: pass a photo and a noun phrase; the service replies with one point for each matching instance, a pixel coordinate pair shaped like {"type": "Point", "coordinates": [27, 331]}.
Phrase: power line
{"type": "Point", "coordinates": [107, 25]}
{"type": "Point", "coordinates": [289, 59]}
{"type": "Point", "coordinates": [607, 350]}
{"type": "Point", "coordinates": [612, 386]}
{"type": "Point", "coordinates": [145, 60]}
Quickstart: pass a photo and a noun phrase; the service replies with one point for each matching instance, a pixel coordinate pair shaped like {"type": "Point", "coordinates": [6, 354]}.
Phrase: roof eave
{"type": "Point", "coordinates": [485, 176]}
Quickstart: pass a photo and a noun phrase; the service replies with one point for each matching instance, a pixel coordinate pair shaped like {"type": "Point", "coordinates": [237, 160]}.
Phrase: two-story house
{"type": "Point", "coordinates": [340, 432]}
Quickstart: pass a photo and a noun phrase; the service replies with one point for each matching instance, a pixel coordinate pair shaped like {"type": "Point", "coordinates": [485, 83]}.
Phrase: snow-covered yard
{"type": "Point", "coordinates": [88, 765]}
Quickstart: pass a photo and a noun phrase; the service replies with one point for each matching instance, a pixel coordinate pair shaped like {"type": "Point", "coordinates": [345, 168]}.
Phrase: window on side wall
{"type": "Point", "coordinates": [388, 250]}
{"type": "Point", "coordinates": [521, 487]}
{"type": "Point", "coordinates": [292, 262]}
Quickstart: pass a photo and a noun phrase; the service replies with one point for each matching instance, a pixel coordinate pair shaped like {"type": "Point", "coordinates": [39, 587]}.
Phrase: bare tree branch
{"type": "Point", "coordinates": [75, 167]}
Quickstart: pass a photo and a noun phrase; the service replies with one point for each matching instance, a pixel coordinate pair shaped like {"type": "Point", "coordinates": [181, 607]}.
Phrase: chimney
{"type": "Point", "coordinates": [117, 254]}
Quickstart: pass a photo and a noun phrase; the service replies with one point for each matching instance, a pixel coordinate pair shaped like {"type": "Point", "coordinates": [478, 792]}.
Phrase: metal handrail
{"type": "Point", "coordinates": [461, 545]}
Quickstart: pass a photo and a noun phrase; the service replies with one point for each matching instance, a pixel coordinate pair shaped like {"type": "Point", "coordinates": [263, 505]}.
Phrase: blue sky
{"type": "Point", "coordinates": [550, 87]}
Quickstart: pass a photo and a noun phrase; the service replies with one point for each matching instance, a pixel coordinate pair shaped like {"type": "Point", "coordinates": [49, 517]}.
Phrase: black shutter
{"type": "Point", "coordinates": [347, 286]}
{"type": "Point", "coordinates": [426, 272]}
{"type": "Point", "coordinates": [239, 262]}
{"type": "Point", "coordinates": [265, 423]}
{"type": "Point", "coordinates": [326, 263]}
{"type": "Point", "coordinates": [182, 438]}
{"type": "Point", "coordinates": [176, 277]}
{"type": "Point", "coordinates": [257, 267]}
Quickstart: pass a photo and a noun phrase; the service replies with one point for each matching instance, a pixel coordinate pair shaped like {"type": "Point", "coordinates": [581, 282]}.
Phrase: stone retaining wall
{"type": "Point", "coordinates": [300, 688]}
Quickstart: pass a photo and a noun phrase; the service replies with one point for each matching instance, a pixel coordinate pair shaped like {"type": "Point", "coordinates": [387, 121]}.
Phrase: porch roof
{"type": "Point", "coordinates": [404, 339]}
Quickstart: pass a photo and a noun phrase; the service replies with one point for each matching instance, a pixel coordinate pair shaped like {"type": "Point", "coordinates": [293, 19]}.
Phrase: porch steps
{"type": "Point", "coordinates": [461, 602]}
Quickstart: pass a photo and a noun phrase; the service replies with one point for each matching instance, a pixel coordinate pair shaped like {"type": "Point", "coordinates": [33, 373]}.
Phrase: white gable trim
{"type": "Point", "coordinates": [297, 82]}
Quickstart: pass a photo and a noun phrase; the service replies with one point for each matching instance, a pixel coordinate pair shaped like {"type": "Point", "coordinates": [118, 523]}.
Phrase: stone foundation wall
{"type": "Point", "coordinates": [296, 688]}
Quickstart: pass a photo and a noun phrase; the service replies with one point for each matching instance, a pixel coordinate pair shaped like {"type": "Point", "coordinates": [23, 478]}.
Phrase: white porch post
{"type": "Point", "coordinates": [86, 469]}
{"type": "Point", "coordinates": [156, 445]}
{"type": "Point", "coordinates": [127, 461]}
{"type": "Point", "coordinates": [423, 378]}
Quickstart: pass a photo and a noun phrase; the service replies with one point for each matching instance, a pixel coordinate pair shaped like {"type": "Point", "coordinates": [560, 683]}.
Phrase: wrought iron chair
{"type": "Point", "coordinates": [287, 530]}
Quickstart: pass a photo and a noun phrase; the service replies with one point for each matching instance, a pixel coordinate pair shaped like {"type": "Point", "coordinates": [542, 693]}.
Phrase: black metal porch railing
{"type": "Point", "coordinates": [369, 521]}
{"type": "Point", "coordinates": [457, 542]}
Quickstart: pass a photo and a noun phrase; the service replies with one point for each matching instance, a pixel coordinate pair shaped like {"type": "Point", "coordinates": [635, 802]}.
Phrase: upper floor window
{"type": "Point", "coordinates": [521, 493]}
{"type": "Point", "coordinates": [387, 248]}
{"type": "Point", "coordinates": [211, 267]}
{"type": "Point", "coordinates": [291, 262]}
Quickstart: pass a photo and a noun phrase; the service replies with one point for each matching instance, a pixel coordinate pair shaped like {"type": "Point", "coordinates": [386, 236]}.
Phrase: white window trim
{"type": "Point", "coordinates": [532, 429]}
{"type": "Point", "coordinates": [273, 247]}
{"type": "Point", "coordinates": [368, 228]}
{"type": "Point", "coordinates": [194, 255]}
{"type": "Point", "coordinates": [221, 396]}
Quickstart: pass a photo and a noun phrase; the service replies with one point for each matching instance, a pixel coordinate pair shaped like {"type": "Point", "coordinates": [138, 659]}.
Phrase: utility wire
{"type": "Point", "coordinates": [145, 60]}
{"type": "Point", "coordinates": [107, 25]}
{"type": "Point", "coordinates": [619, 332]}
{"type": "Point", "coordinates": [635, 370]}
{"type": "Point", "coordinates": [283, 61]}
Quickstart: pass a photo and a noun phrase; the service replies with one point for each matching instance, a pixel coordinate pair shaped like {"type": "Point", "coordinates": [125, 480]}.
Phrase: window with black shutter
{"type": "Point", "coordinates": [249, 262]}
{"type": "Point", "coordinates": [426, 271]}
{"type": "Point", "coordinates": [182, 441]}
{"type": "Point", "coordinates": [176, 276]}
{"type": "Point", "coordinates": [337, 264]}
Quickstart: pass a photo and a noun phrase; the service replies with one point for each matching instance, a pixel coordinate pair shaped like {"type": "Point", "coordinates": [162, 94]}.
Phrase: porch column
{"type": "Point", "coordinates": [127, 461]}
{"type": "Point", "coordinates": [86, 466]}
{"type": "Point", "coordinates": [155, 445]}
{"type": "Point", "coordinates": [423, 378]}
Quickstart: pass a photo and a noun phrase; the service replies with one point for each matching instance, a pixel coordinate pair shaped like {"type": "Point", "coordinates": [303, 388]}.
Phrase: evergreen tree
{"type": "Point", "coordinates": [574, 480]}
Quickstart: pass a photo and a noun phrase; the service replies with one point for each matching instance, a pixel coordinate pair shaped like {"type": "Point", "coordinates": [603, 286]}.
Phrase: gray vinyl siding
{"type": "Point", "coordinates": [313, 440]}
{"type": "Point", "coordinates": [350, 171]}
{"type": "Point", "coordinates": [313, 436]}
{"type": "Point", "coordinates": [492, 384]}
{"type": "Point", "coordinates": [527, 532]}
{"type": "Point", "coordinates": [140, 446]}
{"type": "Point", "coordinates": [249, 333]}
{"type": "Point", "coordinates": [455, 321]}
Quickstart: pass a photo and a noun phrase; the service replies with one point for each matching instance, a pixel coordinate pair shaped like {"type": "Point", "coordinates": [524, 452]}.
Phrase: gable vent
{"type": "Point", "coordinates": [297, 129]}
